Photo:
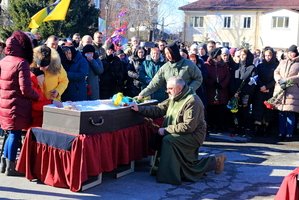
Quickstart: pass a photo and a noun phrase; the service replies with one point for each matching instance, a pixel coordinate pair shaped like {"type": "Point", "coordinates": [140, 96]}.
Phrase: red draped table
{"type": "Point", "coordinates": [66, 160]}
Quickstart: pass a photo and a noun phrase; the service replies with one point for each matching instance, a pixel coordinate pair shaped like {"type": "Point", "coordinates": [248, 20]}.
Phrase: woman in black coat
{"type": "Point", "coordinates": [244, 91]}
{"type": "Point", "coordinates": [264, 91]}
{"type": "Point", "coordinates": [134, 67]}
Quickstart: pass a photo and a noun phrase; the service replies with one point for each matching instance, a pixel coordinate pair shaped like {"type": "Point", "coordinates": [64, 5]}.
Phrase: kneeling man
{"type": "Point", "coordinates": [183, 132]}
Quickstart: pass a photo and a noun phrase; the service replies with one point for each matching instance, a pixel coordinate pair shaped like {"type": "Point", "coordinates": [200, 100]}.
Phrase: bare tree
{"type": "Point", "coordinates": [138, 13]}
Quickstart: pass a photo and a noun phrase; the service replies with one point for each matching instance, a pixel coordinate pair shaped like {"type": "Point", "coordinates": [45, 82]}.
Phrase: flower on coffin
{"type": "Point", "coordinates": [278, 97]}
{"type": "Point", "coordinates": [120, 100]}
{"type": "Point", "coordinates": [117, 98]}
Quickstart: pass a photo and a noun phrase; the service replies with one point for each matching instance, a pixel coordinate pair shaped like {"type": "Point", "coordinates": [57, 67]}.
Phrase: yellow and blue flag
{"type": "Point", "coordinates": [55, 11]}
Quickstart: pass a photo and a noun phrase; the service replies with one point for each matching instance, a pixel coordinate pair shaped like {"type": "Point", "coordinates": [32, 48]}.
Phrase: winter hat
{"type": "Point", "coordinates": [225, 51]}
{"type": "Point", "coordinates": [215, 52]}
{"type": "Point", "coordinates": [19, 44]}
{"type": "Point", "coordinates": [174, 50]}
{"type": "Point", "coordinates": [232, 51]}
{"type": "Point", "coordinates": [119, 52]}
{"type": "Point", "coordinates": [193, 46]}
{"type": "Point", "coordinates": [184, 51]}
{"type": "Point", "coordinates": [110, 46]}
{"type": "Point", "coordinates": [88, 48]}
{"type": "Point", "coordinates": [43, 56]}
{"type": "Point", "coordinates": [294, 49]}
{"type": "Point", "coordinates": [202, 45]}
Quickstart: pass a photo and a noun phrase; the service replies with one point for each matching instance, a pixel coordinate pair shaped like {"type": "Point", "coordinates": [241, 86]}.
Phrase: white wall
{"type": "Point", "coordinates": [279, 38]}
{"type": "Point", "coordinates": [213, 27]}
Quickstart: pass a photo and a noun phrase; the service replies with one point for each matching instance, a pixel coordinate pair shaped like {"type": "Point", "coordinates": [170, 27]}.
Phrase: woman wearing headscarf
{"type": "Point", "coordinates": [244, 90]}
{"type": "Point", "coordinates": [133, 85]}
{"type": "Point", "coordinates": [286, 77]}
{"type": "Point", "coordinates": [217, 84]}
{"type": "Point", "coordinates": [16, 96]}
{"type": "Point", "coordinates": [113, 77]}
{"type": "Point", "coordinates": [264, 91]}
{"type": "Point", "coordinates": [77, 72]}
{"type": "Point", "coordinates": [95, 70]}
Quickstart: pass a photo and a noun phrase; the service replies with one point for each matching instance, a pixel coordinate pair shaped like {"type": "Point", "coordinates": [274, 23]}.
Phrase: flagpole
{"type": "Point", "coordinates": [106, 16]}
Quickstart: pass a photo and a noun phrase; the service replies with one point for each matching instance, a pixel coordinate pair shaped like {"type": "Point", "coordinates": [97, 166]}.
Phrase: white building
{"type": "Point", "coordinates": [259, 23]}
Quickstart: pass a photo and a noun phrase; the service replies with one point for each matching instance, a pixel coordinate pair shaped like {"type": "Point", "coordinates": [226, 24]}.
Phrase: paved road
{"type": "Point", "coordinates": [254, 170]}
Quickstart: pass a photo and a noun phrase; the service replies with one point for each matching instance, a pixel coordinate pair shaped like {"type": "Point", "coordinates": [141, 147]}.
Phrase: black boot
{"type": "Point", "coordinates": [10, 169]}
{"type": "Point", "coordinates": [3, 165]}
{"type": "Point", "coordinates": [257, 130]}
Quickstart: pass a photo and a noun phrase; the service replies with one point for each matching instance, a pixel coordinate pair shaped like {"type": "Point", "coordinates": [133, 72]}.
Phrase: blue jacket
{"type": "Point", "coordinates": [147, 71]}
{"type": "Point", "coordinates": [77, 74]}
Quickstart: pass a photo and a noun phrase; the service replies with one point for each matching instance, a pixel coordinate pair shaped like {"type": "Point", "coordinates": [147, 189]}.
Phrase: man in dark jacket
{"type": "Point", "coordinates": [112, 80]}
{"type": "Point", "coordinates": [183, 132]}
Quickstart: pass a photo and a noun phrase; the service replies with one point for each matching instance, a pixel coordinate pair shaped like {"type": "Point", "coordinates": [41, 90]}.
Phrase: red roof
{"type": "Point", "coordinates": [241, 5]}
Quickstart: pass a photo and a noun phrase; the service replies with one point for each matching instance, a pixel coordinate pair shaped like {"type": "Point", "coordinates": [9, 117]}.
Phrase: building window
{"type": "Point", "coordinates": [196, 22]}
{"type": "Point", "coordinates": [227, 22]}
{"type": "Point", "coordinates": [280, 22]}
{"type": "Point", "coordinates": [225, 44]}
{"type": "Point", "coordinates": [247, 22]}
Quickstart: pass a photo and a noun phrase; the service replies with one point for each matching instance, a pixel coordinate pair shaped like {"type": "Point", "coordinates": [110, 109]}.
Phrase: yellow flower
{"type": "Point", "coordinates": [117, 98]}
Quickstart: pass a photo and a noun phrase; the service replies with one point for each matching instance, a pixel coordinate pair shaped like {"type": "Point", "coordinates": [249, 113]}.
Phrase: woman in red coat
{"type": "Point", "coordinates": [16, 96]}
{"type": "Point", "coordinates": [217, 83]}
{"type": "Point", "coordinates": [37, 106]}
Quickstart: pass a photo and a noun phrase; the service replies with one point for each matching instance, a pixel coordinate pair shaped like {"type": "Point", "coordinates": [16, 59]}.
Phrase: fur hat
{"type": "Point", "coordinates": [45, 56]}
{"type": "Point", "coordinates": [294, 49]}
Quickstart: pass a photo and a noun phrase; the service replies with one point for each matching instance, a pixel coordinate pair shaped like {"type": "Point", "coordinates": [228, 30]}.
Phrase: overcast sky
{"type": "Point", "coordinates": [173, 17]}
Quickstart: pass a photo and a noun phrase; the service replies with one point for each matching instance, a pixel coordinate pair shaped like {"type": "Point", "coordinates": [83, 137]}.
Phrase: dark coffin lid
{"type": "Point", "coordinates": [90, 122]}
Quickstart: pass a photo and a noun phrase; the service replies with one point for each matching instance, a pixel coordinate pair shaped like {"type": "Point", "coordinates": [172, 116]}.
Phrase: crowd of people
{"type": "Point", "coordinates": [232, 84]}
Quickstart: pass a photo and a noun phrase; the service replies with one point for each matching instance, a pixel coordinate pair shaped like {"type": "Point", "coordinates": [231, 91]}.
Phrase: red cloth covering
{"type": "Point", "coordinates": [89, 155]}
{"type": "Point", "coordinates": [289, 188]}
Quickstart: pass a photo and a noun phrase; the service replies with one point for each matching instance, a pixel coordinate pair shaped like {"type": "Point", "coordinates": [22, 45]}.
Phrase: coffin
{"type": "Point", "coordinates": [89, 117]}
